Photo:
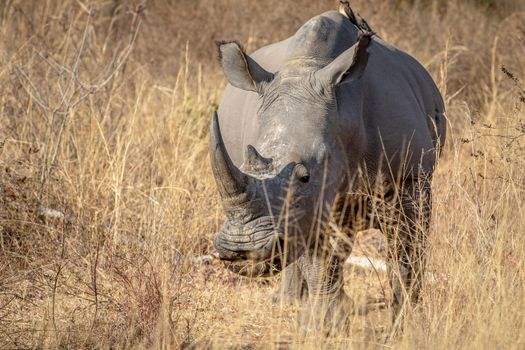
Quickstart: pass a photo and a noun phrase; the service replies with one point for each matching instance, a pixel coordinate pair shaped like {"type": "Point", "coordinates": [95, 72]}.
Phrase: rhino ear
{"type": "Point", "coordinates": [349, 65]}
{"type": "Point", "coordinates": [240, 69]}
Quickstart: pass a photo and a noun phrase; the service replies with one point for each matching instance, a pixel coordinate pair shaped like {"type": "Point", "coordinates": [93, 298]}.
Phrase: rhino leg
{"type": "Point", "coordinates": [293, 286]}
{"type": "Point", "coordinates": [327, 307]}
{"type": "Point", "coordinates": [407, 242]}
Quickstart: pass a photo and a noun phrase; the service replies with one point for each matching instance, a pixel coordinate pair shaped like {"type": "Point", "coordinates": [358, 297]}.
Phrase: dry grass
{"type": "Point", "coordinates": [104, 117]}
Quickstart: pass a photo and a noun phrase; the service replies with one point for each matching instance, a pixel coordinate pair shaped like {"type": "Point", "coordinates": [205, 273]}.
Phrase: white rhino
{"type": "Point", "coordinates": [332, 125]}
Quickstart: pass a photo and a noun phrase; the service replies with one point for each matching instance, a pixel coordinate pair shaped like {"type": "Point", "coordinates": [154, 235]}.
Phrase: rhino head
{"type": "Point", "coordinates": [308, 141]}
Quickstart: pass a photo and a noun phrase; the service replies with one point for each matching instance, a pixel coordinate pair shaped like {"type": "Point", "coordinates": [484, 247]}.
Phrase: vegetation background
{"type": "Point", "coordinates": [106, 189]}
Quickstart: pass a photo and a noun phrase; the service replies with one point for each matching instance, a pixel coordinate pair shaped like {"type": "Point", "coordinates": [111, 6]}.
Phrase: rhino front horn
{"type": "Point", "coordinates": [231, 182]}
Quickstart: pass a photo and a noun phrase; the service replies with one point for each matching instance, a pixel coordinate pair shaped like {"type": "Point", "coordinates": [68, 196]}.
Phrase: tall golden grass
{"type": "Point", "coordinates": [105, 111]}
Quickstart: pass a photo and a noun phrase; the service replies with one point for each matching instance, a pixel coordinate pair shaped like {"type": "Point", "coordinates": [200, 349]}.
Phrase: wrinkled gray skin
{"type": "Point", "coordinates": [325, 126]}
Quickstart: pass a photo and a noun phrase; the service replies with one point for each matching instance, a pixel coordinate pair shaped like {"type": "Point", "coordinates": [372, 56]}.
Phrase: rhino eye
{"type": "Point", "coordinates": [301, 174]}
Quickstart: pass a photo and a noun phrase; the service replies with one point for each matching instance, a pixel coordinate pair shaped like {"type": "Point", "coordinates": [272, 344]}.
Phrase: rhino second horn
{"type": "Point", "coordinates": [254, 160]}
{"type": "Point", "coordinates": [231, 182]}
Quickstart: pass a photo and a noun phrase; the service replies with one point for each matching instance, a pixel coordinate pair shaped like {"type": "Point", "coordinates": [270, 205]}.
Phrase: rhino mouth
{"type": "Point", "coordinates": [253, 249]}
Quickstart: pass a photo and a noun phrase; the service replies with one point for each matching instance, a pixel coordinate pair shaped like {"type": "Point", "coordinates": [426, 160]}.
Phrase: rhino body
{"type": "Point", "coordinates": [315, 129]}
